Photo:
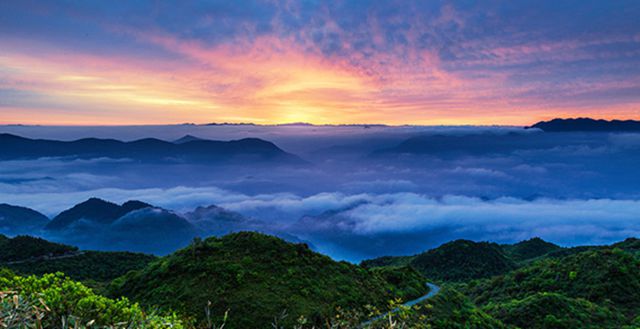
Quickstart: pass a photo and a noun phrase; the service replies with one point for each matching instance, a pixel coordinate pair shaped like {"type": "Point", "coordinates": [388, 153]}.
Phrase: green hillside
{"type": "Point", "coordinates": [256, 277]}
{"type": "Point", "coordinates": [607, 275]}
{"type": "Point", "coordinates": [595, 286]}
{"type": "Point", "coordinates": [451, 309]}
{"type": "Point", "coordinates": [529, 249]}
{"type": "Point", "coordinates": [462, 260]}
{"type": "Point", "coordinates": [92, 266]}
{"type": "Point", "coordinates": [22, 247]}
{"type": "Point", "coordinates": [552, 310]}
{"type": "Point", "coordinates": [30, 255]}
{"type": "Point", "coordinates": [393, 261]}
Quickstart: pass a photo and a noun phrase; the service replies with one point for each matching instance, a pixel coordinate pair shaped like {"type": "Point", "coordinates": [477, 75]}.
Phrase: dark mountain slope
{"type": "Point", "coordinates": [22, 248]}
{"type": "Point", "coordinates": [29, 255]}
{"type": "Point", "coordinates": [600, 276]}
{"type": "Point", "coordinates": [552, 310]}
{"type": "Point", "coordinates": [450, 309]}
{"type": "Point", "coordinates": [150, 230]}
{"type": "Point", "coordinates": [187, 138]}
{"type": "Point", "coordinates": [256, 277]}
{"type": "Point", "coordinates": [457, 260]}
{"type": "Point", "coordinates": [91, 266]}
{"type": "Point", "coordinates": [149, 149]}
{"type": "Point", "coordinates": [94, 210]}
{"type": "Point", "coordinates": [214, 220]}
{"type": "Point", "coordinates": [387, 261]}
{"type": "Point", "coordinates": [133, 226]}
{"type": "Point", "coordinates": [463, 260]}
{"type": "Point", "coordinates": [587, 124]}
{"type": "Point", "coordinates": [20, 220]}
{"type": "Point", "coordinates": [529, 249]}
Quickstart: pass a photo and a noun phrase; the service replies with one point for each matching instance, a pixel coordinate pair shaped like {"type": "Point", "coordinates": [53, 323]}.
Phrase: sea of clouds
{"type": "Point", "coordinates": [353, 202]}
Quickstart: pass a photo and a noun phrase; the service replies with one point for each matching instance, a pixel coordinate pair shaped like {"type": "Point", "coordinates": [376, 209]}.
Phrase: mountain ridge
{"type": "Point", "coordinates": [587, 125]}
{"type": "Point", "coordinates": [258, 276]}
{"type": "Point", "coordinates": [95, 210]}
{"type": "Point", "coordinates": [147, 149]}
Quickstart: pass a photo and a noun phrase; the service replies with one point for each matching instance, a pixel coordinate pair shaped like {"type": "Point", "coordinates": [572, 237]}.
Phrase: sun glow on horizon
{"type": "Point", "coordinates": [321, 71]}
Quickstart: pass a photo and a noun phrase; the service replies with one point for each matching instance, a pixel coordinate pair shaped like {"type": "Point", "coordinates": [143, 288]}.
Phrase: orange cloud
{"type": "Point", "coordinates": [264, 80]}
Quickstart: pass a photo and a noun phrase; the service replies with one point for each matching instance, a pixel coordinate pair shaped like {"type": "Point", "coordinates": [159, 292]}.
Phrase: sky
{"type": "Point", "coordinates": [324, 62]}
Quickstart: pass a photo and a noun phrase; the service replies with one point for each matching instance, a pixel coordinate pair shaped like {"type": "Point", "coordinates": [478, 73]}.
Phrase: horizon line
{"type": "Point", "coordinates": [309, 124]}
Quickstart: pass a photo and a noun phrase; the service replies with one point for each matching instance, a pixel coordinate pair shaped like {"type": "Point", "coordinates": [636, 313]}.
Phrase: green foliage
{"type": "Point", "coordinates": [607, 275]}
{"type": "Point", "coordinates": [48, 301]}
{"type": "Point", "coordinates": [257, 277]}
{"type": "Point", "coordinates": [552, 310]}
{"type": "Point", "coordinates": [550, 287]}
{"type": "Point", "coordinates": [405, 282]}
{"type": "Point", "coordinates": [92, 266]}
{"type": "Point", "coordinates": [450, 309]}
{"type": "Point", "coordinates": [631, 245]}
{"type": "Point", "coordinates": [250, 280]}
{"type": "Point", "coordinates": [594, 287]}
{"type": "Point", "coordinates": [24, 247]}
{"type": "Point", "coordinates": [529, 249]}
{"type": "Point", "coordinates": [463, 260]}
{"type": "Point", "coordinates": [384, 261]}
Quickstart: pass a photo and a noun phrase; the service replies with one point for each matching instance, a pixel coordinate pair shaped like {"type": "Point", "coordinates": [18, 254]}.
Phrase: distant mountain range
{"type": "Point", "coordinates": [94, 210]}
{"type": "Point", "coordinates": [478, 143]}
{"type": "Point", "coordinates": [483, 143]}
{"type": "Point", "coordinates": [587, 124]}
{"type": "Point", "coordinates": [188, 148]}
{"type": "Point", "coordinates": [132, 226]}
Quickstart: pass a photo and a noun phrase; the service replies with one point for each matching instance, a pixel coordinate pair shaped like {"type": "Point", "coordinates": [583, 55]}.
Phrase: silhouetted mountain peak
{"type": "Point", "coordinates": [587, 124]}
{"type": "Point", "coordinates": [94, 210]}
{"type": "Point", "coordinates": [190, 149]}
{"type": "Point", "coordinates": [529, 249]}
{"type": "Point", "coordinates": [187, 138]}
{"type": "Point", "coordinates": [20, 220]}
{"type": "Point", "coordinates": [463, 259]}
{"type": "Point", "coordinates": [8, 137]}
{"type": "Point", "coordinates": [134, 205]}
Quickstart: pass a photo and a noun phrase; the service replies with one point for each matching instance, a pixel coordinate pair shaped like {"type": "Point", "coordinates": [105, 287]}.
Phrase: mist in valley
{"type": "Point", "coordinates": [359, 191]}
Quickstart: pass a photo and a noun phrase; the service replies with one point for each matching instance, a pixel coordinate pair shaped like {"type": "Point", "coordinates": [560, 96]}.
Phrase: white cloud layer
{"type": "Point", "coordinates": [563, 221]}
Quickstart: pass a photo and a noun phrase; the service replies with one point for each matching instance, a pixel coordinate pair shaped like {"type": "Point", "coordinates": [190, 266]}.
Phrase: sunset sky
{"type": "Point", "coordinates": [394, 62]}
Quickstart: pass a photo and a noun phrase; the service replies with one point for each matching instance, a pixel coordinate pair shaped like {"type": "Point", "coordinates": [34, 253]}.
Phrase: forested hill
{"type": "Point", "coordinates": [257, 277]}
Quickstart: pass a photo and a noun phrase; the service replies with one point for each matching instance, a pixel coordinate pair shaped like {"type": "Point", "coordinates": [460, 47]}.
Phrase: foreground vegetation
{"type": "Point", "coordinates": [251, 280]}
{"type": "Point", "coordinates": [54, 300]}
